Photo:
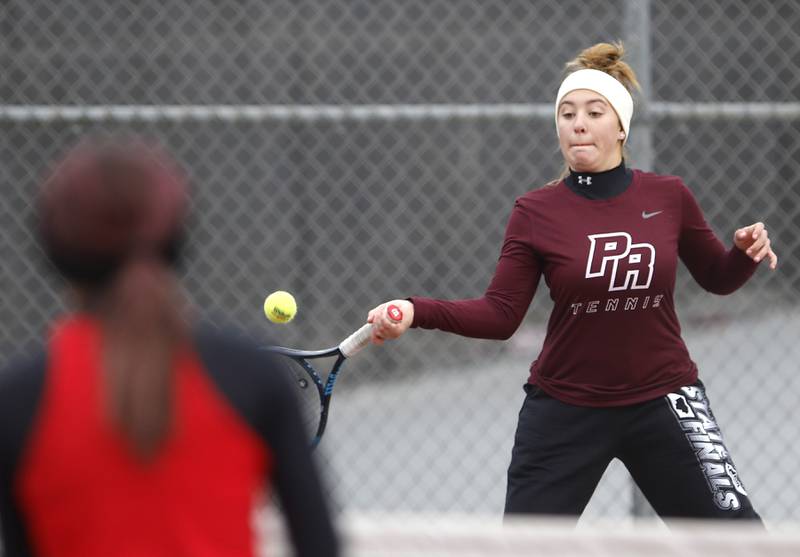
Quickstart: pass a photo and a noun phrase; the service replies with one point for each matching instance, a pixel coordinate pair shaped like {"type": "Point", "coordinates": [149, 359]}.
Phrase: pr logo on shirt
{"type": "Point", "coordinates": [627, 265]}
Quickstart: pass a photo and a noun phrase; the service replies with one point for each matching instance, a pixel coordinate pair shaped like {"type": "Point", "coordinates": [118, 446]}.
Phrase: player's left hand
{"type": "Point", "coordinates": [754, 241]}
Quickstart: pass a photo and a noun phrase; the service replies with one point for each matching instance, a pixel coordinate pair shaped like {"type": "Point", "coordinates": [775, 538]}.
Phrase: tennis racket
{"type": "Point", "coordinates": [348, 348]}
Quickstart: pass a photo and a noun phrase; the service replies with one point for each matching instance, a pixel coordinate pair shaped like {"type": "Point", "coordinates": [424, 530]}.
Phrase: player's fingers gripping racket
{"type": "Point", "coordinates": [348, 348]}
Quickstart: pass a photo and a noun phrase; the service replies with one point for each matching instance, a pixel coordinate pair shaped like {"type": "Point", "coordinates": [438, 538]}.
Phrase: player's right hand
{"type": "Point", "coordinates": [384, 327]}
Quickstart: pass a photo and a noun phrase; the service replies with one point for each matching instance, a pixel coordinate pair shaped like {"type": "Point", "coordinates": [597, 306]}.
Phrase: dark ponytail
{"type": "Point", "coordinates": [143, 332]}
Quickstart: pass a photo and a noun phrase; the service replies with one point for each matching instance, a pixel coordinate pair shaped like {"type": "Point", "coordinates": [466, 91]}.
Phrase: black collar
{"type": "Point", "coordinates": [600, 185]}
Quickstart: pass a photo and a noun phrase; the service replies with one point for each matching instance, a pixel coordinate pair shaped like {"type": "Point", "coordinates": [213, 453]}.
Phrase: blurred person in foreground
{"type": "Point", "coordinates": [137, 432]}
{"type": "Point", "coordinates": [614, 378]}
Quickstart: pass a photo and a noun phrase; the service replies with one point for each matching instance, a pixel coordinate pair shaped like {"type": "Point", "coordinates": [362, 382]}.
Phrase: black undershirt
{"type": "Point", "coordinates": [600, 185]}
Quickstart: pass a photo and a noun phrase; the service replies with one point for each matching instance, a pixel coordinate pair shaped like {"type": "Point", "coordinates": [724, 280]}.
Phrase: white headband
{"type": "Point", "coordinates": [602, 83]}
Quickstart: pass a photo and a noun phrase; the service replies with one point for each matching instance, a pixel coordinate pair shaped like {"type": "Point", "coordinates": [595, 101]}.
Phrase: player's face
{"type": "Point", "coordinates": [589, 132]}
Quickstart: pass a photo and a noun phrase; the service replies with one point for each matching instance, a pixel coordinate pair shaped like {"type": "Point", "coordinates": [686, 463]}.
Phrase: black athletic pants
{"type": "Point", "coordinates": [672, 446]}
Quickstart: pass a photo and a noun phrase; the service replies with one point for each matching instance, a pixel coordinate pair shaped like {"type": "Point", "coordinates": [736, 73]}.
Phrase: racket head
{"type": "Point", "coordinates": [309, 392]}
{"type": "Point", "coordinates": [314, 389]}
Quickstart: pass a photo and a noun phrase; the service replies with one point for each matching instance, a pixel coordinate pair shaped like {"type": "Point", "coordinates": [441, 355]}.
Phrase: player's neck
{"type": "Point", "coordinates": [600, 185]}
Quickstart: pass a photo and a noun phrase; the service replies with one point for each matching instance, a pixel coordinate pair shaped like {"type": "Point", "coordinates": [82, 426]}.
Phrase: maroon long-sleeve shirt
{"type": "Point", "coordinates": [613, 337]}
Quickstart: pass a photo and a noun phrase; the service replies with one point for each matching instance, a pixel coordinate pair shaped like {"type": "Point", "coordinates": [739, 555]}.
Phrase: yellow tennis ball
{"type": "Point", "coordinates": [280, 307]}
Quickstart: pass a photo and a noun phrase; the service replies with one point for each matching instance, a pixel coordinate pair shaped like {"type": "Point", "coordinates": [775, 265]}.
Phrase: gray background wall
{"type": "Point", "coordinates": [303, 183]}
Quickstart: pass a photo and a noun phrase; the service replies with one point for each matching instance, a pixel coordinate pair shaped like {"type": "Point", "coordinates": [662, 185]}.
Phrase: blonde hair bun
{"type": "Point", "coordinates": [608, 58]}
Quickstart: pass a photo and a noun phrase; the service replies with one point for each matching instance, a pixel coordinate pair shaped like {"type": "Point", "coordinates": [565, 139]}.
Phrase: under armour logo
{"type": "Point", "coordinates": [585, 180]}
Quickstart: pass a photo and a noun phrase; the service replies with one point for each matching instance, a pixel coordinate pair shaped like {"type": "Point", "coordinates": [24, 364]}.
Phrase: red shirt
{"type": "Point", "coordinates": [613, 337]}
{"type": "Point", "coordinates": [78, 475]}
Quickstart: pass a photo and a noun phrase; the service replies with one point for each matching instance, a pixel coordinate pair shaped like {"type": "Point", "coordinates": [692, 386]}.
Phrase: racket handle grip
{"type": "Point", "coordinates": [353, 344]}
{"type": "Point", "coordinates": [356, 342]}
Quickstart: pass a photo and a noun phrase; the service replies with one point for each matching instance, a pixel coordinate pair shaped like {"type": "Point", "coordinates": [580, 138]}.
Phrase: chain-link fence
{"type": "Point", "coordinates": [354, 151]}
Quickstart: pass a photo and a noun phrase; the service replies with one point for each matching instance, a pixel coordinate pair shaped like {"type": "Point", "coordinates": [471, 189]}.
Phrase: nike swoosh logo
{"type": "Point", "coordinates": [650, 215]}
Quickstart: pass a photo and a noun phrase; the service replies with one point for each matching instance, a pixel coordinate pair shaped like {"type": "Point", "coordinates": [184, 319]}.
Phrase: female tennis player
{"type": "Point", "coordinates": [614, 378]}
{"type": "Point", "coordinates": [134, 433]}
